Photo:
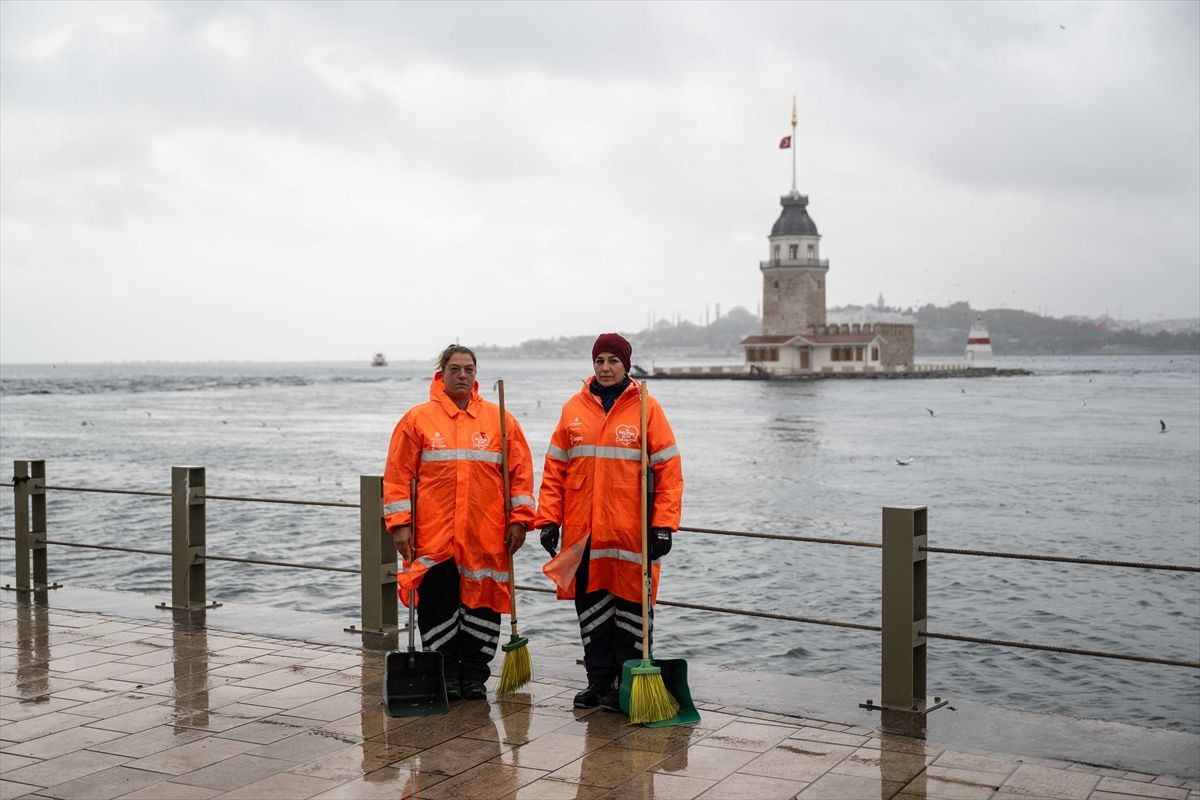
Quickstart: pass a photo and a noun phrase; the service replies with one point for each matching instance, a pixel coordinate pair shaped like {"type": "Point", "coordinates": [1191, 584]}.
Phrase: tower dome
{"type": "Point", "coordinates": [794, 219]}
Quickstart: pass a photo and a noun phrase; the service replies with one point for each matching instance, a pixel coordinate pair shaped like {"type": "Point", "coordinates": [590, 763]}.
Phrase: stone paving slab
{"type": "Point", "coordinates": [95, 710]}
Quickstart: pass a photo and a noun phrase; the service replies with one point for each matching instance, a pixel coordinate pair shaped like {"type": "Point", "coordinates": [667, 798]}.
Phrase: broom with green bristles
{"type": "Point", "coordinates": [649, 700]}
{"type": "Point", "coordinates": [518, 669]}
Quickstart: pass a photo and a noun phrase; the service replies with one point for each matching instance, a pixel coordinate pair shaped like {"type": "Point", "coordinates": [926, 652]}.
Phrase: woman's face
{"type": "Point", "coordinates": [609, 369]}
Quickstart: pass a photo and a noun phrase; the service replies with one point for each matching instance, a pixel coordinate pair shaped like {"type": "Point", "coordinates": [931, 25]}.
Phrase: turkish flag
{"type": "Point", "coordinates": [785, 143]}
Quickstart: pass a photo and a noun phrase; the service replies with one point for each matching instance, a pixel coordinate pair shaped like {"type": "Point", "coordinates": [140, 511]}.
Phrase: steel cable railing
{"type": "Point", "coordinates": [207, 556]}
{"type": "Point", "coordinates": [698, 606]}
{"type": "Point", "coordinates": [716, 531]}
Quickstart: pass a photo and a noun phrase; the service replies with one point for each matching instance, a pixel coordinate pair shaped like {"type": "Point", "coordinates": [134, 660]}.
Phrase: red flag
{"type": "Point", "coordinates": [785, 143]}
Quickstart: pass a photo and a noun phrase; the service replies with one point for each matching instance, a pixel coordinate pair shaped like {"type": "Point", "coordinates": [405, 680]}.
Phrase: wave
{"type": "Point", "coordinates": [139, 384]}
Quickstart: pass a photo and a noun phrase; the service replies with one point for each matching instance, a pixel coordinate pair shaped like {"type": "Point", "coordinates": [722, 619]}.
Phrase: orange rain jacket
{"type": "Point", "coordinates": [591, 484]}
{"type": "Point", "coordinates": [455, 456]}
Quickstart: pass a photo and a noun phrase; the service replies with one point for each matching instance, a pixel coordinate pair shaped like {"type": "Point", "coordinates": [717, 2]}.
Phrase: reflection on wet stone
{"type": "Point", "coordinates": [268, 718]}
{"type": "Point", "coordinates": [190, 705]}
{"type": "Point", "coordinates": [33, 647]}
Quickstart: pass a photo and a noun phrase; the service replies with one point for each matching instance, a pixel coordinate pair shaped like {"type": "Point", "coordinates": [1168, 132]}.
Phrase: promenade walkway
{"type": "Point", "coordinates": [97, 705]}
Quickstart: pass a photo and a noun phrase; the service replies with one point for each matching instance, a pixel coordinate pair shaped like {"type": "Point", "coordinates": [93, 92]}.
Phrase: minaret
{"type": "Point", "coordinates": [794, 274]}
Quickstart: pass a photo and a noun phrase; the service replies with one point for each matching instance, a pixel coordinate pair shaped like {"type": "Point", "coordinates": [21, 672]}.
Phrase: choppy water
{"type": "Point", "coordinates": [1069, 461]}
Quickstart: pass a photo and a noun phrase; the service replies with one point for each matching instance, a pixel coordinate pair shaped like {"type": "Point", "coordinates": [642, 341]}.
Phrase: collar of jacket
{"type": "Point", "coordinates": [586, 391]}
{"type": "Point", "coordinates": [437, 393]}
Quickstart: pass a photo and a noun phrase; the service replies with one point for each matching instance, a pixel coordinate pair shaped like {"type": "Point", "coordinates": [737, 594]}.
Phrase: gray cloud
{"type": "Point", "coordinates": [606, 158]}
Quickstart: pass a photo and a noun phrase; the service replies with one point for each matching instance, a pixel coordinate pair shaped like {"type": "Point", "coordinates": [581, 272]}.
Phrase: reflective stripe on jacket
{"type": "Point", "coordinates": [591, 484]}
{"type": "Point", "coordinates": [455, 455]}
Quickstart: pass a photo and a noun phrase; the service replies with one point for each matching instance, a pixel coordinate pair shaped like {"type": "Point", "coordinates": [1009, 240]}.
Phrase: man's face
{"type": "Point", "coordinates": [459, 376]}
{"type": "Point", "coordinates": [609, 369]}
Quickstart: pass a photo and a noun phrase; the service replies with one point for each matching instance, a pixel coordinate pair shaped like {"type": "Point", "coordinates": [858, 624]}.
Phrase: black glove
{"type": "Point", "coordinates": [660, 542]}
{"type": "Point", "coordinates": [550, 539]}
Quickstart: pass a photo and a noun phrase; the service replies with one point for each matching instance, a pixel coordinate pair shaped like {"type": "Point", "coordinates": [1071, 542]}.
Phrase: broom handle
{"type": "Point", "coordinates": [645, 530]}
{"type": "Point", "coordinates": [512, 581]}
{"type": "Point", "coordinates": [412, 550]}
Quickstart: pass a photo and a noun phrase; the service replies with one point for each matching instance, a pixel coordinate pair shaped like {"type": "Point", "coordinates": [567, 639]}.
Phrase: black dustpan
{"type": "Point", "coordinates": [414, 684]}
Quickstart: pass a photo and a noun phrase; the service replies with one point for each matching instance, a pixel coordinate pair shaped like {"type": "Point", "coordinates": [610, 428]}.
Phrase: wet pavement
{"type": "Point", "coordinates": [97, 704]}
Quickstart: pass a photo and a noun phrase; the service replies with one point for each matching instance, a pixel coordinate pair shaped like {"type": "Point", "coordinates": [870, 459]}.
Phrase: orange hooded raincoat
{"type": "Point", "coordinates": [455, 455]}
{"type": "Point", "coordinates": [591, 484]}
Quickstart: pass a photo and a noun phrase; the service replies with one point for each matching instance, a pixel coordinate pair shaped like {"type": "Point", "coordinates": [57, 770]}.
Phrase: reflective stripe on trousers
{"type": "Point", "coordinates": [466, 637]}
{"type": "Point", "coordinates": [609, 626]}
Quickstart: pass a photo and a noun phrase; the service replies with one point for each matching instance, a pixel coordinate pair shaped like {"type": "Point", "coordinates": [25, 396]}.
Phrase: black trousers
{"type": "Point", "coordinates": [610, 627]}
{"type": "Point", "coordinates": [466, 637]}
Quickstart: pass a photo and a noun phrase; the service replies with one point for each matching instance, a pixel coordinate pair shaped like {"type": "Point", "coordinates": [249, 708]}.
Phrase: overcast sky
{"type": "Point", "coordinates": [299, 181]}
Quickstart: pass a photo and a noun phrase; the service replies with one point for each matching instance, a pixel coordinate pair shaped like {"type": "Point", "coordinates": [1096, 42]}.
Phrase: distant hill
{"type": "Point", "coordinates": [718, 338]}
{"type": "Point", "coordinates": [943, 331]}
{"type": "Point", "coordinates": [940, 331]}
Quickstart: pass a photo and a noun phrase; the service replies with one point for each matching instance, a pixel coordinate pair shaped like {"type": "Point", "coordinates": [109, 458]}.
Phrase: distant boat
{"type": "Point", "coordinates": [379, 360]}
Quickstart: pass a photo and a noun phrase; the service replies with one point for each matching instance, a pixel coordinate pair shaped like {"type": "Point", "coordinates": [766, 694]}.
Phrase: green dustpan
{"type": "Point", "coordinates": [674, 673]}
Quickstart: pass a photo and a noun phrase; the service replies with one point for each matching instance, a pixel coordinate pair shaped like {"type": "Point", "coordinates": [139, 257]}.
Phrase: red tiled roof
{"type": "Point", "coordinates": [767, 339]}
{"type": "Point", "coordinates": [806, 338]}
{"type": "Point", "coordinates": [840, 338]}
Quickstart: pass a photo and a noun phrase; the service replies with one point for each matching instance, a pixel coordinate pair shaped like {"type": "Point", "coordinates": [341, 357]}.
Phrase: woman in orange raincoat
{"type": "Point", "coordinates": [451, 444]}
{"type": "Point", "coordinates": [591, 496]}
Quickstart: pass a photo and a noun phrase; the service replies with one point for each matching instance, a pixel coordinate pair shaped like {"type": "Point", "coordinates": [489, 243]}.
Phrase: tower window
{"type": "Point", "coordinates": [775, 253]}
{"type": "Point", "coordinates": [812, 250]}
{"type": "Point", "coordinates": [776, 284]}
{"type": "Point", "coordinates": [793, 251]}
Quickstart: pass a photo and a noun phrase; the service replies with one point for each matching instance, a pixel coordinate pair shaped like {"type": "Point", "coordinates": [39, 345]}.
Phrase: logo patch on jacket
{"type": "Point", "coordinates": [437, 441]}
{"type": "Point", "coordinates": [627, 434]}
{"type": "Point", "coordinates": [481, 440]}
{"type": "Point", "coordinates": [575, 431]}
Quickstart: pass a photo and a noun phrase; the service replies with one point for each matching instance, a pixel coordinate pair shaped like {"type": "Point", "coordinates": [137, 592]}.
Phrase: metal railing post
{"type": "Point", "coordinates": [29, 524]}
{"type": "Point", "coordinates": [378, 579]}
{"type": "Point", "coordinates": [903, 636]}
{"type": "Point", "coordinates": [187, 540]}
{"type": "Point", "coordinates": [37, 528]}
{"type": "Point", "coordinates": [21, 522]}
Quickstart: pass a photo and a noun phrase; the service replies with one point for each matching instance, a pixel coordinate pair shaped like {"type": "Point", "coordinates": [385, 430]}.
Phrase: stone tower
{"type": "Point", "coordinates": [794, 277]}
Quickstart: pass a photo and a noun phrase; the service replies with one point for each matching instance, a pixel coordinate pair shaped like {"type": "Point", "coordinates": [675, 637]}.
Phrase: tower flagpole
{"type": "Point", "coordinates": [793, 143]}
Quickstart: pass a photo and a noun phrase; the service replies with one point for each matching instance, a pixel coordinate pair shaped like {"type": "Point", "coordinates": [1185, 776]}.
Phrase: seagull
{"type": "Point", "coordinates": [1085, 403]}
{"type": "Point", "coordinates": [930, 410]}
{"type": "Point", "coordinates": [904, 462]}
{"type": "Point", "coordinates": [1163, 425]}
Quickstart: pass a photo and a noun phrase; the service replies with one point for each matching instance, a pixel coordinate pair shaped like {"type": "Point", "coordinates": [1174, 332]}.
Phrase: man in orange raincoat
{"type": "Point", "coordinates": [451, 444]}
{"type": "Point", "coordinates": [591, 494]}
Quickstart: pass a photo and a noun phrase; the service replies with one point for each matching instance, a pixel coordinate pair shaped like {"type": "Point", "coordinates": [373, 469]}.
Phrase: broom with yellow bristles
{"type": "Point", "coordinates": [518, 669]}
{"type": "Point", "coordinates": [649, 700]}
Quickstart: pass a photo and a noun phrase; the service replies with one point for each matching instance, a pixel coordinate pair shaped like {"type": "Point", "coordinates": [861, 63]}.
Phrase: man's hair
{"type": "Point", "coordinates": [453, 350]}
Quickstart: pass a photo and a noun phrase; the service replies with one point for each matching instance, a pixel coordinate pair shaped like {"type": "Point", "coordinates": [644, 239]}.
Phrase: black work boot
{"type": "Point", "coordinates": [611, 700]}
{"type": "Point", "coordinates": [473, 690]}
{"type": "Point", "coordinates": [452, 674]}
{"type": "Point", "coordinates": [590, 697]}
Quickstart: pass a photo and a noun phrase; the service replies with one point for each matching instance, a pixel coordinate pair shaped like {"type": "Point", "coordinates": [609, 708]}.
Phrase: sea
{"type": "Point", "coordinates": [1071, 460]}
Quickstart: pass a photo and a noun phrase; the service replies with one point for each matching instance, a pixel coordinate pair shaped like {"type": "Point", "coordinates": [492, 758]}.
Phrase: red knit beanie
{"type": "Point", "coordinates": [616, 344]}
